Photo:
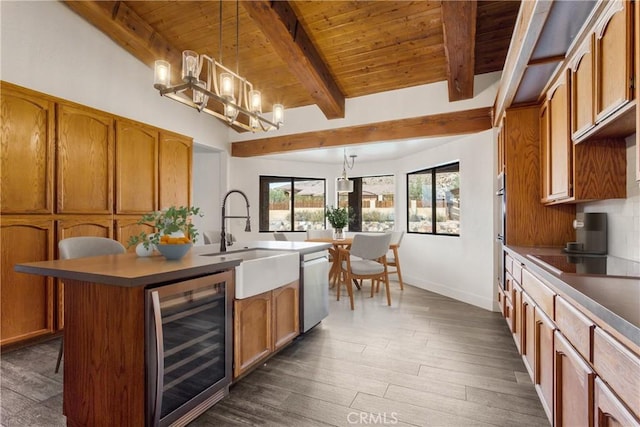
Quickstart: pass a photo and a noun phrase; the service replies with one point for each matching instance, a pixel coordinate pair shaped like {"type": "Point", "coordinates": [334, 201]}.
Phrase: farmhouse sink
{"type": "Point", "coordinates": [261, 270]}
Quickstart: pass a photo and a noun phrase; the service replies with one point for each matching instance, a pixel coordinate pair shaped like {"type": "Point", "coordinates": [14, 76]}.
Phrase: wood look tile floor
{"type": "Point", "coordinates": [427, 360]}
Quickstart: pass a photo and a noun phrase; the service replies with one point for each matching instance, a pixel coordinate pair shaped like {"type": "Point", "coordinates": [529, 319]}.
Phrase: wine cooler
{"type": "Point", "coordinates": [188, 347]}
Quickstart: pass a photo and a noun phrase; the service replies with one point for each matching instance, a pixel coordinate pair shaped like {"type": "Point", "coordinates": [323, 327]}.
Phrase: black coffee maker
{"type": "Point", "coordinates": [591, 234]}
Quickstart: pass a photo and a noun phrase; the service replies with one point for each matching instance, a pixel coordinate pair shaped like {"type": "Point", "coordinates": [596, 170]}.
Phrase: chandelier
{"type": "Point", "coordinates": [209, 80]}
{"type": "Point", "coordinates": [344, 185]}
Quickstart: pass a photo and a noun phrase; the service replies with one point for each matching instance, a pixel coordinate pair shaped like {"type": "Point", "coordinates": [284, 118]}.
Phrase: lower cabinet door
{"type": "Point", "coordinates": [253, 339]}
{"type": "Point", "coordinates": [573, 394]}
{"type": "Point", "coordinates": [609, 411]}
{"type": "Point", "coordinates": [528, 333]}
{"type": "Point", "coordinates": [286, 319]}
{"type": "Point", "coordinates": [543, 378]}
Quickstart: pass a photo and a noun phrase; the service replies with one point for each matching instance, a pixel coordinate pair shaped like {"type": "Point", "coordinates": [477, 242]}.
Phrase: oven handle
{"type": "Point", "coordinates": [157, 320]}
{"type": "Point", "coordinates": [500, 192]}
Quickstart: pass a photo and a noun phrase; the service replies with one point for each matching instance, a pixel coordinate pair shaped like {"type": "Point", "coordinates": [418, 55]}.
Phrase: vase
{"type": "Point", "coordinates": [338, 234]}
{"type": "Point", "coordinates": [142, 251]}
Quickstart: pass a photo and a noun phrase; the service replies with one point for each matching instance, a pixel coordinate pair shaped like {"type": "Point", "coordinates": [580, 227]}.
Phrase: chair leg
{"type": "Point", "coordinates": [397, 265]}
{"type": "Point", "coordinates": [386, 281]}
{"type": "Point", "coordinates": [339, 284]}
{"type": "Point", "coordinates": [374, 283]}
{"type": "Point", "coordinates": [60, 355]}
{"type": "Point", "coordinates": [349, 284]}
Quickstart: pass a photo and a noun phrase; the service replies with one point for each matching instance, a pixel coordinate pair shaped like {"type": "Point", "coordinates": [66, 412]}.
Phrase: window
{"type": "Point", "coordinates": [291, 204]}
{"type": "Point", "coordinates": [372, 202]}
{"type": "Point", "coordinates": [434, 200]}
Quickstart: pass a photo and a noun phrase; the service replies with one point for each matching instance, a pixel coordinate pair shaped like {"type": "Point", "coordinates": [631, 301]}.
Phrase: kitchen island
{"type": "Point", "coordinates": [108, 379]}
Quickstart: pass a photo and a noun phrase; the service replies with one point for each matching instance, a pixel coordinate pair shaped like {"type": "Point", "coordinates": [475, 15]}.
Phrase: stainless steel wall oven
{"type": "Point", "coordinates": [188, 347]}
{"type": "Point", "coordinates": [502, 230]}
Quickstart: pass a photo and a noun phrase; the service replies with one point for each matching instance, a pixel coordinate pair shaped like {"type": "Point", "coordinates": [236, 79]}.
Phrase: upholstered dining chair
{"type": "Point", "coordinates": [393, 259]}
{"type": "Point", "coordinates": [326, 234]}
{"type": "Point", "coordinates": [366, 259]}
{"type": "Point", "coordinates": [81, 247]}
{"type": "Point", "coordinates": [280, 236]}
{"type": "Point", "coordinates": [211, 237]}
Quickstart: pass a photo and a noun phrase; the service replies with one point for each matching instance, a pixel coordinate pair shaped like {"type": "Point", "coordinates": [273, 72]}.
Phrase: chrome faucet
{"type": "Point", "coordinates": [223, 239]}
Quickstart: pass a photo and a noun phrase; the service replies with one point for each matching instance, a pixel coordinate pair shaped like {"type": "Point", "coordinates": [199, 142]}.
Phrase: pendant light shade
{"type": "Point", "coordinates": [344, 185]}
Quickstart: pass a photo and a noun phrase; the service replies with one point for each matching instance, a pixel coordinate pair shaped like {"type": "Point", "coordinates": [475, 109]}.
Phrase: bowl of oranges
{"type": "Point", "coordinates": [174, 247]}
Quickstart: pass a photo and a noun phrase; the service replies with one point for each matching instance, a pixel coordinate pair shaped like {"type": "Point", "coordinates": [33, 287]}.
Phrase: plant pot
{"type": "Point", "coordinates": [338, 234]}
{"type": "Point", "coordinates": [142, 251]}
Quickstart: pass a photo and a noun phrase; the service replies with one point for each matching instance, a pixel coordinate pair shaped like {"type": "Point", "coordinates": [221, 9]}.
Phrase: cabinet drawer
{"type": "Point", "coordinates": [508, 263]}
{"type": "Point", "coordinates": [517, 272]}
{"type": "Point", "coordinates": [618, 367]}
{"type": "Point", "coordinates": [508, 286]}
{"type": "Point", "coordinates": [539, 292]}
{"type": "Point", "coordinates": [577, 327]}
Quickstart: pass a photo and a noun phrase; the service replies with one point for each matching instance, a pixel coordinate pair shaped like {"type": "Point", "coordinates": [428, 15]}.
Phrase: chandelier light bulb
{"type": "Point", "coordinates": [162, 73]}
{"type": "Point", "coordinates": [255, 101]}
{"type": "Point", "coordinates": [199, 98]}
{"type": "Point", "coordinates": [278, 114]}
{"type": "Point", "coordinates": [189, 65]}
{"type": "Point", "coordinates": [226, 85]}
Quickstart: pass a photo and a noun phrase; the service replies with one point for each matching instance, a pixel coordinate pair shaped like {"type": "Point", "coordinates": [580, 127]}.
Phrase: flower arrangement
{"type": "Point", "coordinates": [338, 217]}
{"type": "Point", "coordinates": [173, 226]}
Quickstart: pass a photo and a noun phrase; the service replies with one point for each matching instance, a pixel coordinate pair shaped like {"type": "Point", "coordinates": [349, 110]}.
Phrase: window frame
{"type": "Point", "coordinates": [355, 199]}
{"type": "Point", "coordinates": [433, 172]}
{"type": "Point", "coordinates": [292, 180]}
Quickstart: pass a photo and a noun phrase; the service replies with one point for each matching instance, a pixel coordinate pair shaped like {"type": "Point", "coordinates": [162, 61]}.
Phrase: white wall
{"type": "Point", "coordinates": [623, 215]}
{"type": "Point", "coordinates": [48, 48]}
{"type": "Point", "coordinates": [460, 267]}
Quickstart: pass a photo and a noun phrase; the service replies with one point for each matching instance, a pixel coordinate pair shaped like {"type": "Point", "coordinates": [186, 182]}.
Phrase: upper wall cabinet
{"type": "Point", "coordinates": [175, 170]}
{"type": "Point", "coordinates": [136, 168]}
{"type": "Point", "coordinates": [582, 90]}
{"type": "Point", "coordinates": [614, 58]}
{"type": "Point", "coordinates": [26, 142]}
{"type": "Point", "coordinates": [84, 173]}
{"type": "Point", "coordinates": [556, 156]}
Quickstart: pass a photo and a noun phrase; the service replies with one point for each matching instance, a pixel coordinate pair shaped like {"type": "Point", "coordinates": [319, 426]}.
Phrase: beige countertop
{"type": "Point", "coordinates": [612, 299]}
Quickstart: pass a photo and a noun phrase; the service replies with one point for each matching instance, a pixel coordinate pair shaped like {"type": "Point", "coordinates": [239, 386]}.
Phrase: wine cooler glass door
{"type": "Point", "coordinates": [190, 341]}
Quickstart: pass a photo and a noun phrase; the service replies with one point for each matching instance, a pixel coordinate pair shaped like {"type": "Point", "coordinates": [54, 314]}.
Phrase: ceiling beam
{"type": "Point", "coordinates": [459, 28]}
{"type": "Point", "coordinates": [445, 124]}
{"type": "Point", "coordinates": [278, 22]}
{"type": "Point", "coordinates": [130, 31]}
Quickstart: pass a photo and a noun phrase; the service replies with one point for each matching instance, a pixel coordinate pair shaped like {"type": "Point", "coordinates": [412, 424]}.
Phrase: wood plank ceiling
{"type": "Point", "coordinates": [301, 53]}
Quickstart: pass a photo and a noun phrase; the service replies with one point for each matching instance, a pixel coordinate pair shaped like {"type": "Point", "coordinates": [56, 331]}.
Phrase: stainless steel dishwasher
{"type": "Point", "coordinates": [314, 289]}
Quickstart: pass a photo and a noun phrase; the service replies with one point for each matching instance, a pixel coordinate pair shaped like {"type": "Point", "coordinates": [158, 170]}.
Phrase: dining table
{"type": "Point", "coordinates": [334, 271]}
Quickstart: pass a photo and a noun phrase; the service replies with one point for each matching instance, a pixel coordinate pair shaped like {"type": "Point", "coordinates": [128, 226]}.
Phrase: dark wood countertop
{"type": "Point", "coordinates": [612, 299]}
{"type": "Point", "coordinates": [129, 270]}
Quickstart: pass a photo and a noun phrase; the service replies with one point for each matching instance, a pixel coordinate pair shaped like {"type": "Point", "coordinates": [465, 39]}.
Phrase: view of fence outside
{"type": "Point", "coordinates": [377, 205]}
{"type": "Point", "coordinates": [446, 201]}
{"type": "Point", "coordinates": [308, 205]}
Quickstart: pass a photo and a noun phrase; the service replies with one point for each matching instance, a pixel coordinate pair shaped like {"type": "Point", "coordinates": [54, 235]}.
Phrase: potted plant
{"type": "Point", "coordinates": [173, 227]}
{"type": "Point", "coordinates": [339, 219]}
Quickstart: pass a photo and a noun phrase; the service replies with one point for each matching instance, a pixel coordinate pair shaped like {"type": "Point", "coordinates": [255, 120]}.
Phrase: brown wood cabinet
{"type": "Point", "coordinates": [573, 393]}
{"type": "Point", "coordinates": [26, 142]}
{"type": "Point", "coordinates": [529, 222]}
{"type": "Point", "coordinates": [136, 168]}
{"type": "Point", "coordinates": [253, 330]}
{"type": "Point", "coordinates": [614, 58]}
{"type": "Point", "coordinates": [264, 324]}
{"type": "Point", "coordinates": [26, 302]}
{"type": "Point", "coordinates": [65, 170]}
{"type": "Point", "coordinates": [286, 316]}
{"type": "Point", "coordinates": [582, 90]}
{"type": "Point", "coordinates": [84, 161]}
{"type": "Point", "coordinates": [175, 170]}
{"type": "Point", "coordinates": [609, 411]}
{"type": "Point", "coordinates": [544, 356]}
{"type": "Point", "coordinates": [557, 162]}
{"type": "Point", "coordinates": [583, 375]}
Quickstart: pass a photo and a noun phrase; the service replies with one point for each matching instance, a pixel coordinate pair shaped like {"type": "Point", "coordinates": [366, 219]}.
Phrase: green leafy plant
{"type": "Point", "coordinates": [338, 217]}
{"type": "Point", "coordinates": [167, 221]}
